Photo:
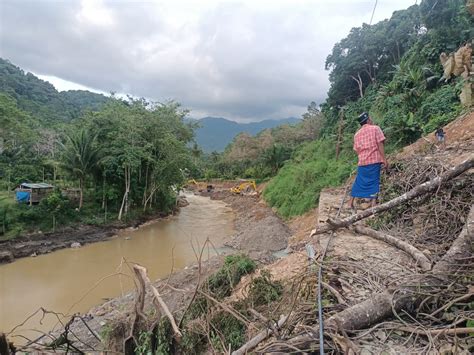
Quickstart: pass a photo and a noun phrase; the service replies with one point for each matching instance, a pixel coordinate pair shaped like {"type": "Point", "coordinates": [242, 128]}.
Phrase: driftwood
{"type": "Point", "coordinates": [419, 190]}
{"type": "Point", "coordinates": [272, 325]}
{"type": "Point", "coordinates": [403, 297]}
{"type": "Point", "coordinates": [141, 271]}
{"type": "Point", "coordinates": [334, 292]}
{"type": "Point", "coordinates": [420, 258]}
{"type": "Point", "coordinates": [451, 331]}
{"type": "Point", "coordinates": [252, 343]}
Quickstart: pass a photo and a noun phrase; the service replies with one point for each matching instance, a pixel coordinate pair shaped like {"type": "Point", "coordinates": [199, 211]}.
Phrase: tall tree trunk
{"type": "Point", "coordinates": [124, 206]}
{"type": "Point", "coordinates": [145, 189]}
{"type": "Point", "coordinates": [359, 82]}
{"type": "Point", "coordinates": [103, 191]}
{"type": "Point", "coordinates": [81, 192]}
{"type": "Point", "coordinates": [339, 132]}
{"type": "Point", "coordinates": [127, 201]}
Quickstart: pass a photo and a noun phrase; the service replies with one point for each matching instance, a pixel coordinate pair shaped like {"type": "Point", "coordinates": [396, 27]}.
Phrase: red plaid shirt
{"type": "Point", "coordinates": [365, 144]}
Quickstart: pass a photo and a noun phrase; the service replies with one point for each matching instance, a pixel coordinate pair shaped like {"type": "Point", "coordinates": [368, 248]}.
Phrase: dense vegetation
{"type": "Point", "coordinates": [126, 158]}
{"type": "Point", "coordinates": [40, 99]}
{"type": "Point", "coordinates": [262, 155]}
{"type": "Point", "coordinates": [391, 70]}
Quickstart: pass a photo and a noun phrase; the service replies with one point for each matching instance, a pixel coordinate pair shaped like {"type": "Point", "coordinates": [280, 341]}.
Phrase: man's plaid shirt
{"type": "Point", "coordinates": [365, 144]}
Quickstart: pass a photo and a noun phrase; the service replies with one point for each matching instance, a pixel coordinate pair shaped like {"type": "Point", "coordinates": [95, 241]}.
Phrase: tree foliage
{"type": "Point", "coordinates": [126, 157]}
{"type": "Point", "coordinates": [390, 69]}
{"type": "Point", "coordinates": [41, 99]}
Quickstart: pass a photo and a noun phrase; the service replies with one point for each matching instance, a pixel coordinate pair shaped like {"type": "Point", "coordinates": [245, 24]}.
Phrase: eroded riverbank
{"type": "Point", "coordinates": [258, 232]}
{"type": "Point", "coordinates": [74, 280]}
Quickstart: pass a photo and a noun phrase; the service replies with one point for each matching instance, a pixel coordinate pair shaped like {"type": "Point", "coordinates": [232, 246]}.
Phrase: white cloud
{"type": "Point", "coordinates": [94, 12]}
{"type": "Point", "coordinates": [245, 60]}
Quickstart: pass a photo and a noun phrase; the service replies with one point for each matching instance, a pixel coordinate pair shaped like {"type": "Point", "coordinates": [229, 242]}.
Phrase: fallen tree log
{"type": "Point", "coordinates": [141, 271]}
{"type": "Point", "coordinates": [252, 343]}
{"type": "Point", "coordinates": [405, 297]}
{"type": "Point", "coordinates": [419, 190]}
{"type": "Point", "coordinates": [420, 258]}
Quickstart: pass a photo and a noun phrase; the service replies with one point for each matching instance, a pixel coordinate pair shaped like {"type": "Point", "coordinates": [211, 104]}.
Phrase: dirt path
{"type": "Point", "coordinates": [260, 232]}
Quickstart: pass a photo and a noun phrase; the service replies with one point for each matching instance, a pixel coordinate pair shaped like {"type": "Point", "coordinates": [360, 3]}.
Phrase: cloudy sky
{"type": "Point", "coordinates": [243, 60]}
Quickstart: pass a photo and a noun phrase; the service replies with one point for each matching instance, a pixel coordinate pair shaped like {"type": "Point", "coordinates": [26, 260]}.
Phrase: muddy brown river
{"type": "Point", "coordinates": [74, 280]}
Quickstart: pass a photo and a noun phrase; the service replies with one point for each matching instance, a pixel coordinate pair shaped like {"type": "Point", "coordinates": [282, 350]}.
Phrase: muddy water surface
{"type": "Point", "coordinates": [74, 280]}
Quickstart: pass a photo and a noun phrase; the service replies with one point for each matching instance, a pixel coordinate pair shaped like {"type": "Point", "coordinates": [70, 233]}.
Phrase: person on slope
{"type": "Point", "coordinates": [369, 145]}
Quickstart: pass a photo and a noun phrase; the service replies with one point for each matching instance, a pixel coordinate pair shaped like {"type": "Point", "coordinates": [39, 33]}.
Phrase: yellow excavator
{"type": "Point", "coordinates": [200, 185]}
{"type": "Point", "coordinates": [244, 186]}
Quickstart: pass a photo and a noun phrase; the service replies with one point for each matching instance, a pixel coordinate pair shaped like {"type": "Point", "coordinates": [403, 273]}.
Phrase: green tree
{"type": "Point", "coordinates": [81, 156]}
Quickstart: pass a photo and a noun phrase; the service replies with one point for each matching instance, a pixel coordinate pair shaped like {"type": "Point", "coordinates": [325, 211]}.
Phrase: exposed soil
{"type": "Point", "coordinates": [260, 232]}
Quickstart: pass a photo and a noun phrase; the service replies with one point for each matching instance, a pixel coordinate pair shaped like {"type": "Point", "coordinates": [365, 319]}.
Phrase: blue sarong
{"type": "Point", "coordinates": [367, 182]}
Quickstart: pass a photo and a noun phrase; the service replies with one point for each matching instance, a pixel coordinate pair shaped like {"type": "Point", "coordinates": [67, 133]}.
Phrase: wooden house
{"type": "Point", "coordinates": [32, 193]}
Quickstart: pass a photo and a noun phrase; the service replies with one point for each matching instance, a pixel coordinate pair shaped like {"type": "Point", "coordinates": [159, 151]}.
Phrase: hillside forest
{"type": "Point", "coordinates": [125, 157]}
{"type": "Point", "coordinates": [128, 157]}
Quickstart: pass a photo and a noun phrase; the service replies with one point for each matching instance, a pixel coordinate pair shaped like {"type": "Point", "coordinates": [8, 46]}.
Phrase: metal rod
{"type": "Point", "coordinates": [320, 276]}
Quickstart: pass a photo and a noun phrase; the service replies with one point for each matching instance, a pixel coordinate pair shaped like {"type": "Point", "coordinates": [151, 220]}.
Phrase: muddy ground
{"type": "Point", "coordinates": [260, 232]}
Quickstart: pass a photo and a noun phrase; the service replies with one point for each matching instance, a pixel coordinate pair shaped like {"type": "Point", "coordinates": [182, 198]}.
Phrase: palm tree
{"type": "Point", "coordinates": [80, 157]}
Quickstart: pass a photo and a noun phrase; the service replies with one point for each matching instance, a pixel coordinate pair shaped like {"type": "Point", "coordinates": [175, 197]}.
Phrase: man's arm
{"type": "Point", "coordinates": [380, 138]}
{"type": "Point", "coordinates": [380, 145]}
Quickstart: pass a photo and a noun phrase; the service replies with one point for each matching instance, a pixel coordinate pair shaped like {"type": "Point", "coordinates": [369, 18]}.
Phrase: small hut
{"type": "Point", "coordinates": [73, 194]}
{"type": "Point", "coordinates": [32, 193]}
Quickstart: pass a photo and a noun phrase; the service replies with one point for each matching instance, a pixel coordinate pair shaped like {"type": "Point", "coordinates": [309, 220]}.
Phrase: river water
{"type": "Point", "coordinates": [74, 280]}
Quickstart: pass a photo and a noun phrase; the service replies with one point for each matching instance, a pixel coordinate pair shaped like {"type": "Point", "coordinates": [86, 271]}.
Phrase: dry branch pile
{"type": "Point", "coordinates": [430, 222]}
{"type": "Point", "coordinates": [435, 309]}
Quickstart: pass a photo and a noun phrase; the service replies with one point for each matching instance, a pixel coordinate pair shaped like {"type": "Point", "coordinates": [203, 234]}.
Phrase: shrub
{"type": "Point", "coordinates": [227, 330]}
{"type": "Point", "coordinates": [235, 266]}
{"type": "Point", "coordinates": [295, 190]}
{"type": "Point", "coordinates": [263, 290]}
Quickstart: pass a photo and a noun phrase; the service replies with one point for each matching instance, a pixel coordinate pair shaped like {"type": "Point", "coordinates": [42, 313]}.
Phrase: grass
{"type": "Point", "coordinates": [223, 281]}
{"type": "Point", "coordinates": [263, 290]}
{"type": "Point", "coordinates": [295, 190]}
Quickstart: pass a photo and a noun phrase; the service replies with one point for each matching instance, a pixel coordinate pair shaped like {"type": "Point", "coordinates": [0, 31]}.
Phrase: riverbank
{"type": "Point", "coordinates": [259, 233]}
{"type": "Point", "coordinates": [72, 236]}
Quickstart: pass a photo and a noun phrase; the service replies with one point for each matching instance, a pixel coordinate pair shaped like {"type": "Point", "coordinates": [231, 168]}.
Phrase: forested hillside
{"type": "Point", "coordinates": [392, 70]}
{"type": "Point", "coordinates": [40, 98]}
{"type": "Point", "coordinates": [124, 158]}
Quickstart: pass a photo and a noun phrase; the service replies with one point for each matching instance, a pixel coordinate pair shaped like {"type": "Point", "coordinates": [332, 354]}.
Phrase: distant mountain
{"type": "Point", "coordinates": [215, 133]}
{"type": "Point", "coordinates": [41, 99]}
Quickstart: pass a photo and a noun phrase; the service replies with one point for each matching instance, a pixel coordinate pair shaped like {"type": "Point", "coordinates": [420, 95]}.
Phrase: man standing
{"type": "Point", "coordinates": [369, 145]}
{"type": "Point", "coordinates": [440, 136]}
